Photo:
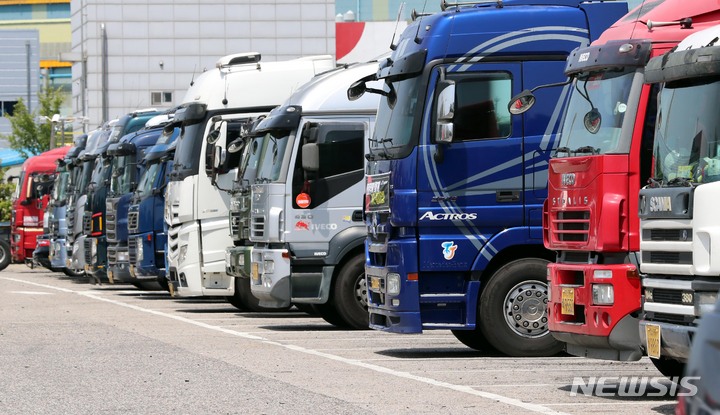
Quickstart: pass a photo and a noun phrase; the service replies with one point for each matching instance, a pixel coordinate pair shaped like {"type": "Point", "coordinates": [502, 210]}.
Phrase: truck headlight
{"type": "Point", "coordinates": [603, 294]}
{"type": "Point", "coordinates": [139, 248]}
{"type": "Point", "coordinates": [93, 247]}
{"type": "Point", "coordinates": [182, 254]}
{"type": "Point", "coordinates": [122, 256]}
{"type": "Point", "coordinates": [705, 302]}
{"type": "Point", "coordinates": [269, 266]}
{"type": "Point", "coordinates": [392, 283]}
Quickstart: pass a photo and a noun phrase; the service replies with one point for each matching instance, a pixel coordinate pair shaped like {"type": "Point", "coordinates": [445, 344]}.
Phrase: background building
{"type": "Point", "coordinates": [145, 54]}
{"type": "Point", "coordinates": [46, 25]}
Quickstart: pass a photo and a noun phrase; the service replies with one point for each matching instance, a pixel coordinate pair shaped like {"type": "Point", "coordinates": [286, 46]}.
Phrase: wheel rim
{"type": "Point", "coordinates": [2, 255]}
{"type": "Point", "coordinates": [526, 309]}
{"type": "Point", "coordinates": [361, 290]}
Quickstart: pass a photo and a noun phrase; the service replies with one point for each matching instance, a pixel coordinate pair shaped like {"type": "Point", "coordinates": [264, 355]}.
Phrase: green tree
{"type": "Point", "coordinates": [30, 130]}
{"type": "Point", "coordinates": [6, 191]}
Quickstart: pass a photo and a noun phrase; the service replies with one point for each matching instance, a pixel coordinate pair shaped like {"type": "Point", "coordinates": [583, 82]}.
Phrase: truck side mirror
{"type": "Point", "coordinates": [311, 157]}
{"type": "Point", "coordinates": [445, 112]}
{"type": "Point", "coordinates": [521, 102]}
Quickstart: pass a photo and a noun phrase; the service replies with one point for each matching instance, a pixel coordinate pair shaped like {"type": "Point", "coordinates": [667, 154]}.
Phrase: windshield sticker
{"type": "Point", "coordinates": [377, 193]}
{"type": "Point", "coordinates": [449, 249]}
{"type": "Point", "coordinates": [302, 200]}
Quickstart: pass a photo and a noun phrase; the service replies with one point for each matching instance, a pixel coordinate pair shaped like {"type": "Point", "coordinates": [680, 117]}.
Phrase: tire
{"type": "Point", "coordinates": [328, 313]}
{"type": "Point", "coordinates": [521, 332]}
{"type": "Point", "coordinates": [244, 300]}
{"type": "Point", "coordinates": [145, 285]}
{"type": "Point", "coordinates": [474, 339]}
{"type": "Point", "coordinates": [307, 309]}
{"type": "Point", "coordinates": [669, 367]}
{"type": "Point", "coordinates": [164, 284]}
{"type": "Point", "coordinates": [350, 294]}
{"type": "Point", "coordinates": [5, 256]}
{"type": "Point", "coordinates": [73, 274]}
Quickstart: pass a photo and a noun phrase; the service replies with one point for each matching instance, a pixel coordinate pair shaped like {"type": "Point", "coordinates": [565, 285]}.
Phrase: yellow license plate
{"type": "Point", "coordinates": [132, 270]}
{"type": "Point", "coordinates": [255, 272]}
{"type": "Point", "coordinates": [375, 283]}
{"type": "Point", "coordinates": [652, 340]}
{"type": "Point", "coordinates": [87, 268]}
{"type": "Point", "coordinates": [171, 288]}
{"type": "Point", "coordinates": [568, 301]}
{"type": "Point", "coordinates": [110, 277]}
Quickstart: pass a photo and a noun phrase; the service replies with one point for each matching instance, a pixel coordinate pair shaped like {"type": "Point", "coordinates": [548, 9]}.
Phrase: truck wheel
{"type": "Point", "coordinates": [474, 339]}
{"type": "Point", "coordinates": [5, 256]}
{"type": "Point", "coordinates": [513, 310]}
{"type": "Point", "coordinates": [307, 309]}
{"type": "Point", "coordinates": [244, 300]}
{"type": "Point", "coordinates": [669, 367]}
{"type": "Point", "coordinates": [329, 313]}
{"type": "Point", "coordinates": [350, 294]}
{"type": "Point", "coordinates": [73, 274]}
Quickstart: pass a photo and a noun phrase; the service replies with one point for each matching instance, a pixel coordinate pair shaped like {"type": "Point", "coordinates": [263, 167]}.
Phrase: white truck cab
{"type": "Point", "coordinates": [306, 221]}
{"type": "Point", "coordinates": [196, 212]}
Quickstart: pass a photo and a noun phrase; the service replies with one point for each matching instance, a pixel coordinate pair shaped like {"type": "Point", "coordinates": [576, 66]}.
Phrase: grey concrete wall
{"type": "Point", "coordinates": [159, 45]}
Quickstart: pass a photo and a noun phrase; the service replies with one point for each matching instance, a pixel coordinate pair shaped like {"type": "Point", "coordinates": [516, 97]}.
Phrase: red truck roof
{"type": "Point", "coordinates": [45, 162]}
{"type": "Point", "coordinates": [634, 24]}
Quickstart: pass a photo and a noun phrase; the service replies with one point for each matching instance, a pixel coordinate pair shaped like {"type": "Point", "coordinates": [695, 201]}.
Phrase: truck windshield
{"type": "Point", "coordinates": [121, 181]}
{"type": "Point", "coordinates": [270, 164]}
{"type": "Point", "coordinates": [19, 186]}
{"type": "Point", "coordinates": [187, 153]}
{"type": "Point", "coordinates": [85, 175]}
{"type": "Point", "coordinates": [249, 164]}
{"type": "Point", "coordinates": [61, 185]}
{"type": "Point", "coordinates": [148, 179]}
{"type": "Point", "coordinates": [606, 92]}
{"type": "Point", "coordinates": [687, 134]}
{"type": "Point", "coordinates": [396, 119]}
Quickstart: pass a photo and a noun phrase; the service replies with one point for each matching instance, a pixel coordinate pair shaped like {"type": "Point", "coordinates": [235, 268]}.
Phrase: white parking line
{"type": "Point", "coordinates": [380, 369]}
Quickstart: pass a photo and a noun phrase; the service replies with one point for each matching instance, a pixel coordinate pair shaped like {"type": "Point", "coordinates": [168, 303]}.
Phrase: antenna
{"type": "Point", "coordinates": [444, 4]}
{"type": "Point", "coordinates": [417, 40]}
{"type": "Point", "coordinates": [225, 100]}
{"type": "Point", "coordinates": [192, 80]}
{"type": "Point", "coordinates": [393, 46]}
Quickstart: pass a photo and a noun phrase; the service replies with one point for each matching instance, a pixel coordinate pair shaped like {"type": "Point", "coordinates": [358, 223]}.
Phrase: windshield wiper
{"type": "Point", "coordinates": [680, 182]}
{"type": "Point", "coordinates": [587, 149]}
{"type": "Point", "coordinates": [565, 150]}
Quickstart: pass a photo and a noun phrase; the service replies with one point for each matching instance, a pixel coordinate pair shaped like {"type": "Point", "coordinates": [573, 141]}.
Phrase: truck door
{"type": "Point", "coordinates": [472, 188]}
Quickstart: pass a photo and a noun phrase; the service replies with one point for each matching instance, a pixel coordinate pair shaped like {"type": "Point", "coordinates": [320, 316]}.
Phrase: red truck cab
{"type": "Point", "coordinates": [604, 157]}
{"type": "Point", "coordinates": [29, 202]}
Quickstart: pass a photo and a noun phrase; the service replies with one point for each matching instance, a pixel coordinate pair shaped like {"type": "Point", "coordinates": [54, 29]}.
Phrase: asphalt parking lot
{"type": "Point", "coordinates": [67, 346]}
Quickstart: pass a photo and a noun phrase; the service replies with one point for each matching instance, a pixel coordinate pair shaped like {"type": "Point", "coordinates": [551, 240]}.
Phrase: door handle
{"type": "Point", "coordinates": [507, 196]}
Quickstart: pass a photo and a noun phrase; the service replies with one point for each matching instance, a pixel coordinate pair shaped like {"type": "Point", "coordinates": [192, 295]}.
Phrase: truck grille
{"type": "Point", "coordinates": [132, 250]}
{"type": "Point", "coordinates": [112, 255]}
{"type": "Point", "coordinates": [173, 240]}
{"type": "Point", "coordinates": [572, 226]}
{"type": "Point", "coordinates": [235, 225]}
{"type": "Point", "coordinates": [258, 226]}
{"type": "Point", "coordinates": [111, 220]}
{"type": "Point", "coordinates": [663, 257]}
{"type": "Point", "coordinates": [87, 247]}
{"type": "Point", "coordinates": [87, 223]}
{"type": "Point", "coordinates": [666, 296]}
{"type": "Point", "coordinates": [667, 234]}
{"type": "Point", "coordinates": [133, 220]}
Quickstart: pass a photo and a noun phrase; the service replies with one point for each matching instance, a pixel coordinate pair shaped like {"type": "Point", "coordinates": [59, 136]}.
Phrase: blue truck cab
{"type": "Point", "coordinates": [127, 167]}
{"type": "Point", "coordinates": [95, 221]}
{"type": "Point", "coordinates": [454, 185]}
{"type": "Point", "coordinates": [147, 237]}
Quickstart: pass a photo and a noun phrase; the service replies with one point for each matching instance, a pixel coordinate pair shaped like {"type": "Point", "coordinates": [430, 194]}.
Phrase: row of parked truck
{"type": "Point", "coordinates": [530, 175]}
